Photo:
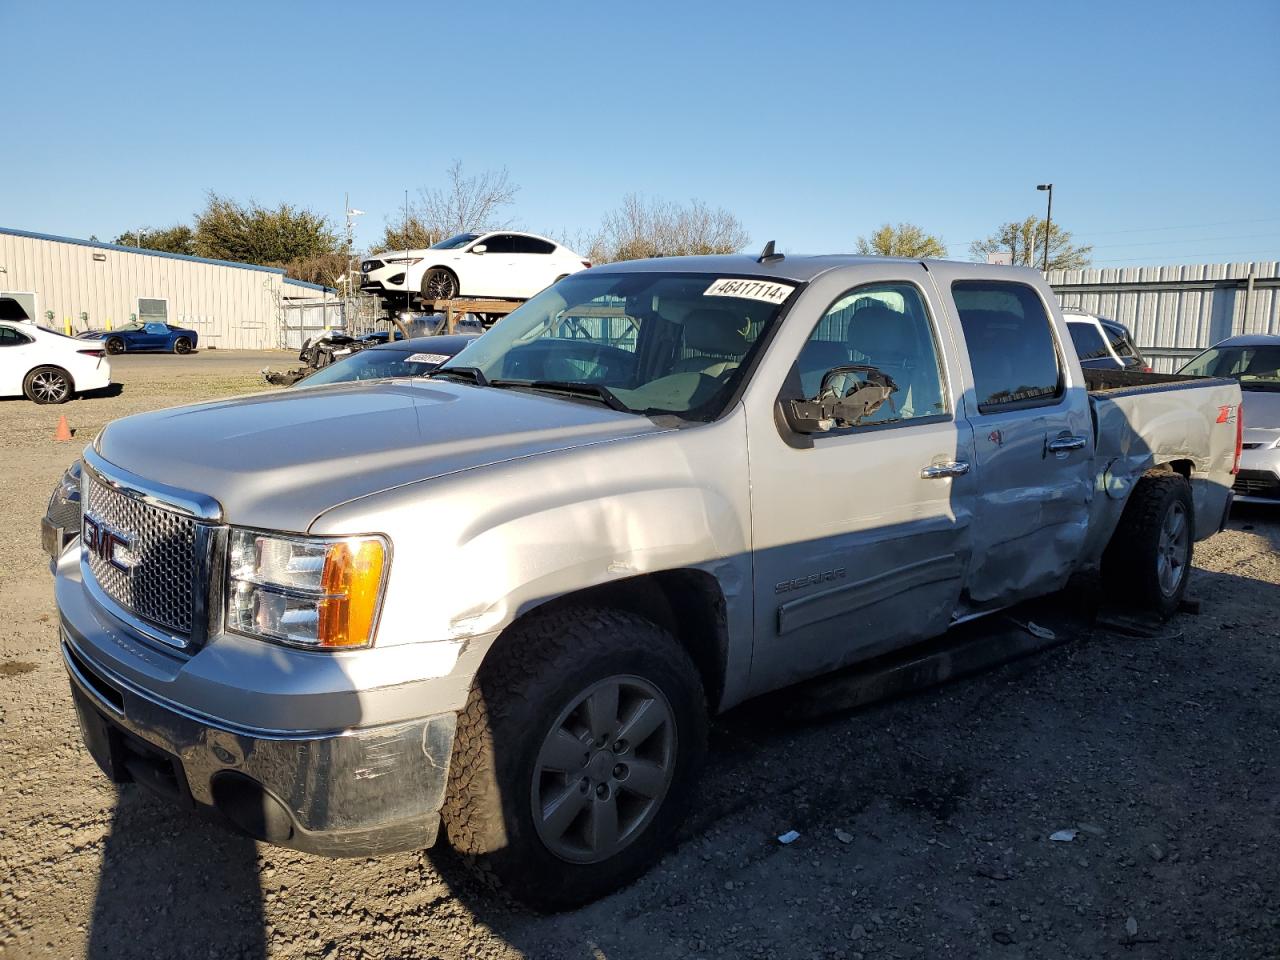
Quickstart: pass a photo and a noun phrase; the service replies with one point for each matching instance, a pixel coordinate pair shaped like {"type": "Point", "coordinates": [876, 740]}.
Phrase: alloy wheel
{"type": "Point", "coordinates": [604, 769]}
{"type": "Point", "coordinates": [50, 387]}
{"type": "Point", "coordinates": [1171, 551]}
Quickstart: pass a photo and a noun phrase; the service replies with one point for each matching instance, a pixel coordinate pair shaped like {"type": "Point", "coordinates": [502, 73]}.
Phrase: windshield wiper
{"type": "Point", "coordinates": [466, 374]}
{"type": "Point", "coordinates": [569, 388]}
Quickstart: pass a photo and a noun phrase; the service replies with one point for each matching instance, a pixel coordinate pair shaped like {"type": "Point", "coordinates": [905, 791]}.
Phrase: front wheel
{"type": "Point", "coordinates": [1148, 561]}
{"type": "Point", "coordinates": [576, 755]}
{"type": "Point", "coordinates": [47, 385]}
{"type": "Point", "coordinates": [182, 345]}
{"type": "Point", "coordinates": [114, 345]}
{"type": "Point", "coordinates": [439, 284]}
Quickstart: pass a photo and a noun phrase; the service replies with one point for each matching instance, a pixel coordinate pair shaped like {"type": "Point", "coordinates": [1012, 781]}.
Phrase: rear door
{"type": "Point", "coordinates": [16, 358]}
{"type": "Point", "coordinates": [1033, 440]}
{"type": "Point", "coordinates": [860, 535]}
{"type": "Point", "coordinates": [534, 265]}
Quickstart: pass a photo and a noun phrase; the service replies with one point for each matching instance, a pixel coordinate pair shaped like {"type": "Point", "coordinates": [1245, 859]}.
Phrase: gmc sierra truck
{"type": "Point", "coordinates": [507, 599]}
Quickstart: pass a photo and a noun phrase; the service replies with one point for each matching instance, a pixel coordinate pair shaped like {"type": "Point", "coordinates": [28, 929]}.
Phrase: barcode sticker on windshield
{"type": "Point", "coordinates": [766, 290]}
{"type": "Point", "coordinates": [436, 358]}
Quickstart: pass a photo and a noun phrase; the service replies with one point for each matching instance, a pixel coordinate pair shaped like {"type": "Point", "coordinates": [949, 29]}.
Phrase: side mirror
{"type": "Point", "coordinates": [479, 248]}
{"type": "Point", "coordinates": [849, 394]}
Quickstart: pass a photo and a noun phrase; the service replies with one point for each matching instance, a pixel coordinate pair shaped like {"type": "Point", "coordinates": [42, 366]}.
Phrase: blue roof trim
{"type": "Point", "coordinates": [309, 285]}
{"type": "Point", "coordinates": [141, 251]}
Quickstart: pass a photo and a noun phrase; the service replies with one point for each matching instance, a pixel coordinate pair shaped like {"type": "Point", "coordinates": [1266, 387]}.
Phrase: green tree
{"type": "Point", "coordinates": [1025, 240]}
{"type": "Point", "coordinates": [904, 240]}
{"type": "Point", "coordinates": [251, 233]}
{"type": "Point", "coordinates": [176, 239]}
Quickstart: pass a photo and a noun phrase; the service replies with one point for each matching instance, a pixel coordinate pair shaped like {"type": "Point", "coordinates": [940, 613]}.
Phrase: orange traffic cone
{"type": "Point", "coordinates": [63, 433]}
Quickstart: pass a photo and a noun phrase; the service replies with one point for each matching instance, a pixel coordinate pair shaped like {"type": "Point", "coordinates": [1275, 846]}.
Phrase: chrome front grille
{"type": "Point", "coordinates": [163, 547]}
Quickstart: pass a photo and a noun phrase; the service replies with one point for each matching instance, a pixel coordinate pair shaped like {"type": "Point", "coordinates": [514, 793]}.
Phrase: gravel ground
{"type": "Point", "coordinates": [924, 823]}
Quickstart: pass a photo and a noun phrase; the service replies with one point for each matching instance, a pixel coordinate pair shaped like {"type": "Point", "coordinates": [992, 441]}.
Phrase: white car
{"type": "Point", "coordinates": [47, 367]}
{"type": "Point", "coordinates": [501, 264]}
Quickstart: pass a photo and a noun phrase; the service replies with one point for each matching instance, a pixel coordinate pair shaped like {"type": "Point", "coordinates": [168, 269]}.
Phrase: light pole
{"type": "Point", "coordinates": [1048, 220]}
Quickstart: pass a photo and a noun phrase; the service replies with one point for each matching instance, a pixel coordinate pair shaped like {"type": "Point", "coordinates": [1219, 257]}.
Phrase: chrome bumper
{"type": "Point", "coordinates": [353, 792]}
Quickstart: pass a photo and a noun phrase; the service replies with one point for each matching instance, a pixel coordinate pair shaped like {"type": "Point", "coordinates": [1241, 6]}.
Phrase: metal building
{"type": "Point", "coordinates": [86, 284]}
{"type": "Point", "coordinates": [1175, 312]}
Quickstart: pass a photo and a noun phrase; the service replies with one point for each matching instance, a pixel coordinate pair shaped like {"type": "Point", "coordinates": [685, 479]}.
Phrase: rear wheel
{"type": "Point", "coordinates": [439, 284]}
{"type": "Point", "coordinates": [576, 755]}
{"type": "Point", "coordinates": [48, 385]}
{"type": "Point", "coordinates": [1148, 561]}
{"type": "Point", "coordinates": [182, 345]}
{"type": "Point", "coordinates": [114, 345]}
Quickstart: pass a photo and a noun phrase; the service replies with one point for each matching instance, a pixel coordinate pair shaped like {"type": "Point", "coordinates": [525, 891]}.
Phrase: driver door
{"type": "Point", "coordinates": [861, 533]}
{"type": "Point", "coordinates": [493, 273]}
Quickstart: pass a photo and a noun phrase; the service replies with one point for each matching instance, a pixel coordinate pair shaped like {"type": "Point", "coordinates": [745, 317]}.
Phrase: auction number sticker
{"type": "Point", "coordinates": [767, 290]}
{"type": "Point", "coordinates": [426, 358]}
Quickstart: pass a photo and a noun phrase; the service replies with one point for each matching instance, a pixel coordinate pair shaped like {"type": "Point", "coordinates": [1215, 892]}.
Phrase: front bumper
{"type": "Point", "coordinates": [354, 792]}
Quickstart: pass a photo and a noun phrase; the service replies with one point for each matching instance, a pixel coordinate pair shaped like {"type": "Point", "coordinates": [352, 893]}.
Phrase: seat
{"type": "Point", "coordinates": [890, 341]}
{"type": "Point", "coordinates": [716, 340]}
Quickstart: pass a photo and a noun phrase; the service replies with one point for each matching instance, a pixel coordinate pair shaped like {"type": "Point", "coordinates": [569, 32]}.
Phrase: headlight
{"type": "Point", "coordinates": [318, 592]}
{"type": "Point", "coordinates": [409, 260]}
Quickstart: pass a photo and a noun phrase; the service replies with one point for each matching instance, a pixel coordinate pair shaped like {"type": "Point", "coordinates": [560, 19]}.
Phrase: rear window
{"type": "Point", "coordinates": [1088, 341]}
{"type": "Point", "coordinates": [1119, 341]}
{"type": "Point", "coordinates": [1011, 345]}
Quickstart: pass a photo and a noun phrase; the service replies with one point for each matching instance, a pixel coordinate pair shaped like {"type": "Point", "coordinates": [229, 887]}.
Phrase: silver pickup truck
{"type": "Point", "coordinates": [508, 598]}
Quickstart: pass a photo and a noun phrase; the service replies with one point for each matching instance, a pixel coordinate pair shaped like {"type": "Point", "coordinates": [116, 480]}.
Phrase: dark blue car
{"type": "Point", "coordinates": [136, 337]}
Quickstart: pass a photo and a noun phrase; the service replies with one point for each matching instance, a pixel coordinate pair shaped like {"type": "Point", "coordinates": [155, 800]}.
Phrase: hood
{"type": "Point", "coordinates": [91, 335]}
{"type": "Point", "coordinates": [1261, 415]}
{"type": "Point", "coordinates": [279, 460]}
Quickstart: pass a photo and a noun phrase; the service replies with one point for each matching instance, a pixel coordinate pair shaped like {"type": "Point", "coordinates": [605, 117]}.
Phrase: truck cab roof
{"type": "Point", "coordinates": [801, 268]}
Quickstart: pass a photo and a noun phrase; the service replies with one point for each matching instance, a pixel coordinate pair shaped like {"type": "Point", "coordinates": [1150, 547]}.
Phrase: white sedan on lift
{"type": "Point", "coordinates": [44, 366]}
{"type": "Point", "coordinates": [503, 264]}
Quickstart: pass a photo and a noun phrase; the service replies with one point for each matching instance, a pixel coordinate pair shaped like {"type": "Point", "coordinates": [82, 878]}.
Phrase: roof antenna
{"type": "Point", "coordinates": [767, 255]}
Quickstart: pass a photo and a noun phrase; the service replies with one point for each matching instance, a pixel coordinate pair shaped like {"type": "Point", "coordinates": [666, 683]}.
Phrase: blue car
{"type": "Point", "coordinates": [136, 337]}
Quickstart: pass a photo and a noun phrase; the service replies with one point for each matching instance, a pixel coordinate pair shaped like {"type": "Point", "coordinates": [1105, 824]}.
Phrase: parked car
{"type": "Point", "coordinates": [1103, 344]}
{"type": "Point", "coordinates": [137, 337]}
{"type": "Point", "coordinates": [509, 596]}
{"type": "Point", "coordinates": [400, 358]}
{"type": "Point", "coordinates": [1255, 362]}
{"type": "Point", "coordinates": [46, 367]}
{"type": "Point", "coordinates": [502, 264]}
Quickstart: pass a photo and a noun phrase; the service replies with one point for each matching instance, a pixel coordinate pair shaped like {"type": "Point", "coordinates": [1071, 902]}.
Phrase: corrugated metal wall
{"type": "Point", "coordinates": [231, 307]}
{"type": "Point", "coordinates": [1179, 308]}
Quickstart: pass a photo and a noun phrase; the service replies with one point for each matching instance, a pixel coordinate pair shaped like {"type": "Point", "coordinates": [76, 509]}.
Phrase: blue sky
{"type": "Point", "coordinates": [813, 122]}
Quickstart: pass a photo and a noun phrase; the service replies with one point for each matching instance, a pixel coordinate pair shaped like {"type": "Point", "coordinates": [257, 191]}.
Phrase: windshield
{"type": "Point", "coordinates": [375, 365]}
{"type": "Point", "coordinates": [1257, 368]}
{"type": "Point", "coordinates": [675, 343]}
{"type": "Point", "coordinates": [453, 243]}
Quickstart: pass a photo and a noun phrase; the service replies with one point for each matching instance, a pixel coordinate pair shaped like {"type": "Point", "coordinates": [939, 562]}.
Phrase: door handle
{"type": "Point", "coordinates": [937, 471]}
{"type": "Point", "coordinates": [1063, 444]}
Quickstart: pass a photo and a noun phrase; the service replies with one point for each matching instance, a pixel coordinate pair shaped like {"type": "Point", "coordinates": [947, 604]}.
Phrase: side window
{"type": "Point", "coordinates": [1011, 346]}
{"type": "Point", "coordinates": [1088, 341]}
{"type": "Point", "coordinates": [532, 245]}
{"type": "Point", "coordinates": [883, 332]}
{"type": "Point", "coordinates": [499, 243]}
{"type": "Point", "coordinates": [10, 337]}
{"type": "Point", "coordinates": [155, 328]}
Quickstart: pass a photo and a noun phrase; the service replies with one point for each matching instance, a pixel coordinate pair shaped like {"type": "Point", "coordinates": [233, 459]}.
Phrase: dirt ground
{"type": "Point", "coordinates": [925, 823]}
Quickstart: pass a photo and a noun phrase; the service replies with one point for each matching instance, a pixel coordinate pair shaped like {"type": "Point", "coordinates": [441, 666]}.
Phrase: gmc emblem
{"type": "Point", "coordinates": [108, 545]}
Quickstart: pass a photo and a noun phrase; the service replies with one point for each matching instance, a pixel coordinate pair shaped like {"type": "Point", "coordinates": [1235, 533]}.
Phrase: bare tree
{"type": "Point", "coordinates": [463, 204]}
{"type": "Point", "coordinates": [1025, 240]}
{"type": "Point", "coordinates": [904, 240]}
{"type": "Point", "coordinates": [660, 228]}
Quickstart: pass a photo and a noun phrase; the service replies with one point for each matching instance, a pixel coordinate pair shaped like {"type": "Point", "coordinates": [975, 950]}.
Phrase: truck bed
{"type": "Point", "coordinates": [1144, 421]}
